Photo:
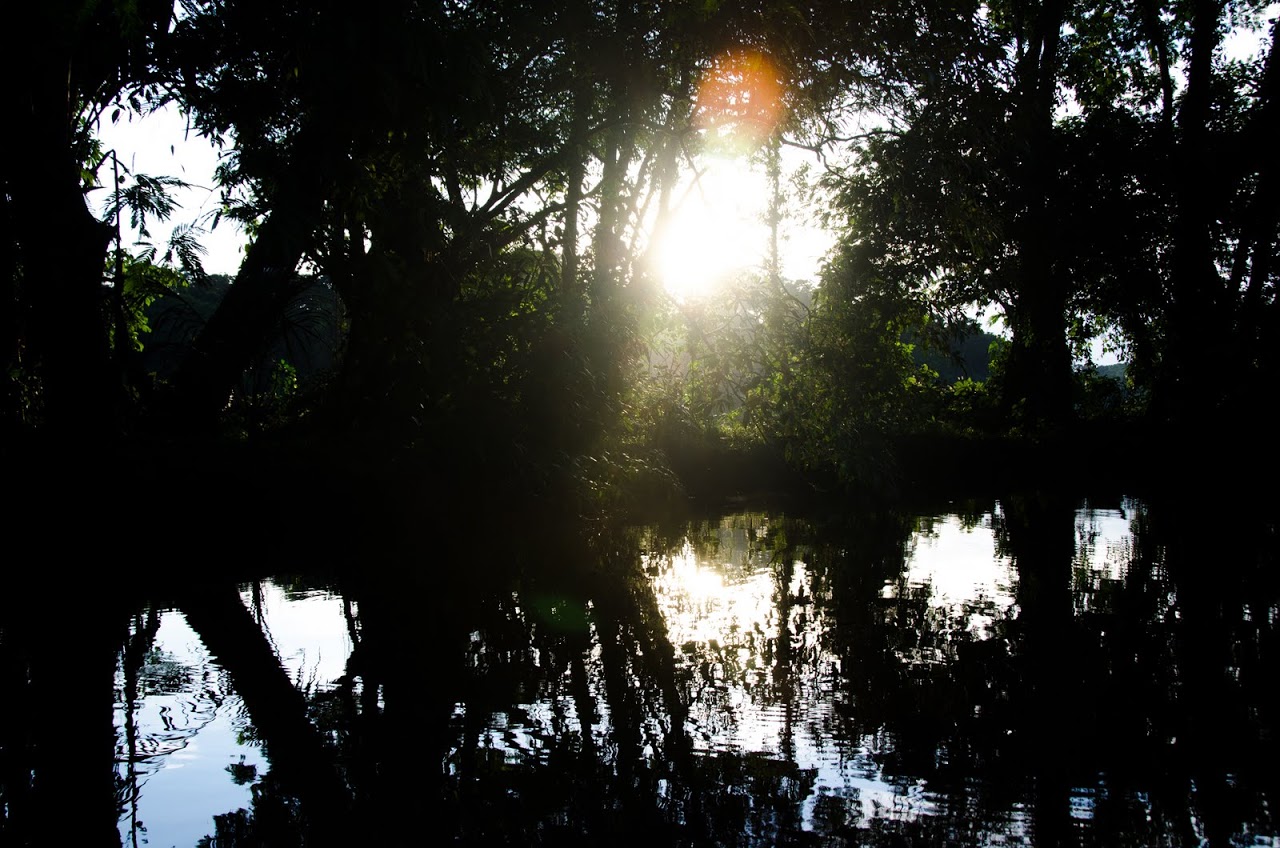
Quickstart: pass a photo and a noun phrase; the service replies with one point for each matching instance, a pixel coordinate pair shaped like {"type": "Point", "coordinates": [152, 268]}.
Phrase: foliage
{"type": "Point", "coordinates": [452, 207]}
{"type": "Point", "coordinates": [956, 352]}
{"type": "Point", "coordinates": [865, 386]}
{"type": "Point", "coordinates": [75, 61]}
{"type": "Point", "coordinates": [970, 408]}
{"type": "Point", "coordinates": [144, 283]}
{"type": "Point", "coordinates": [1055, 181]}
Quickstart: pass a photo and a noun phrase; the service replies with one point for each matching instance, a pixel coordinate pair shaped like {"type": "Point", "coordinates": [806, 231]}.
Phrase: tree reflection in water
{"type": "Point", "coordinates": [1024, 672]}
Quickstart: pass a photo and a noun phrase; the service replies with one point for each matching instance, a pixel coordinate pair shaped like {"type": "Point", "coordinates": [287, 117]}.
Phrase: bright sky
{"type": "Point", "coordinates": [160, 146]}
{"type": "Point", "coordinates": [719, 230]}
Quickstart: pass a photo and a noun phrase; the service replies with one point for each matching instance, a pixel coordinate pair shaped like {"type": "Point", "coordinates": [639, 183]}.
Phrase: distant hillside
{"type": "Point", "coordinates": [966, 354]}
{"type": "Point", "coordinates": [1115, 372]}
{"type": "Point", "coordinates": [308, 337]}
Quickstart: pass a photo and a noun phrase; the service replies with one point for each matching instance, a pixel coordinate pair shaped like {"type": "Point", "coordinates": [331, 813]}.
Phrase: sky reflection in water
{"type": "Point", "coordinates": [193, 735]}
{"type": "Point", "coordinates": [760, 667]}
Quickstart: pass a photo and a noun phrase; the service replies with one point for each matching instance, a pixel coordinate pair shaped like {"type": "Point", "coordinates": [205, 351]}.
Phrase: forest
{"type": "Point", "coordinates": [454, 208]}
{"type": "Point", "coordinates": [448, 516]}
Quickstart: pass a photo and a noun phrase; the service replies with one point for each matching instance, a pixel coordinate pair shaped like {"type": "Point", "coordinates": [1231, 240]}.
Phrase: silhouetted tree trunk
{"type": "Point", "coordinates": [570, 291]}
{"type": "Point", "coordinates": [1039, 368]}
{"type": "Point", "coordinates": [297, 751]}
{"type": "Point", "coordinates": [1255, 255]}
{"type": "Point", "coordinates": [249, 315]}
{"type": "Point", "coordinates": [1197, 309]}
{"type": "Point", "coordinates": [62, 250]}
{"type": "Point", "coordinates": [59, 740]}
{"type": "Point", "coordinates": [66, 60]}
{"type": "Point", "coordinates": [1040, 531]}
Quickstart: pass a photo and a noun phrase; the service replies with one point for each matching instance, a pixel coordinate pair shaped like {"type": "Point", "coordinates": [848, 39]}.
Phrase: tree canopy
{"type": "Point", "coordinates": [479, 187]}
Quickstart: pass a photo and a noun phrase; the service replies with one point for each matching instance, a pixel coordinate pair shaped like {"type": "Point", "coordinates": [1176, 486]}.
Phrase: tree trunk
{"type": "Point", "coordinates": [295, 747]}
{"type": "Point", "coordinates": [1039, 369]}
{"type": "Point", "coordinates": [61, 257]}
{"type": "Point", "coordinates": [1197, 310]}
{"type": "Point", "coordinates": [250, 313]}
{"type": "Point", "coordinates": [570, 292]}
{"type": "Point", "coordinates": [1255, 259]}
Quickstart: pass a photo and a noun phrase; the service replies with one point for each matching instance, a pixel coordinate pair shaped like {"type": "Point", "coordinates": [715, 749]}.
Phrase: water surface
{"type": "Point", "coordinates": [1030, 671]}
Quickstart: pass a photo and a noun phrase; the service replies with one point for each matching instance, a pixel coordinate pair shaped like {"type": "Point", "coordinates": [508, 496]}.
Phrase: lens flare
{"type": "Point", "coordinates": [740, 99]}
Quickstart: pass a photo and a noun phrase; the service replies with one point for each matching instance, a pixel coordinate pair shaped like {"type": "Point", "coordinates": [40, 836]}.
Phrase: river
{"type": "Point", "coordinates": [1034, 670]}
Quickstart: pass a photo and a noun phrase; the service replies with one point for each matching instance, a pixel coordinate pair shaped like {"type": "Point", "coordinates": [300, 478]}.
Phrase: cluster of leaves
{"type": "Point", "coordinates": [476, 185]}
{"type": "Point", "coordinates": [1046, 160]}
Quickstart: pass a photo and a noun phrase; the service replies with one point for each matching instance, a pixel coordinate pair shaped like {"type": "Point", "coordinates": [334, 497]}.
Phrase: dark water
{"type": "Point", "coordinates": [1033, 671]}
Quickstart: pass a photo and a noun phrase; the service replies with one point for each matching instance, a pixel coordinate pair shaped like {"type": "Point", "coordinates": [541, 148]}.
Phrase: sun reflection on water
{"type": "Point", "coordinates": [706, 604]}
{"type": "Point", "coordinates": [790, 671]}
{"type": "Point", "coordinates": [958, 568]}
{"type": "Point", "coordinates": [763, 682]}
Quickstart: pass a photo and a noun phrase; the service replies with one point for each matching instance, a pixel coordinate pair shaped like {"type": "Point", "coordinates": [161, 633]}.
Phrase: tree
{"type": "Point", "coordinates": [1222, 267]}
{"type": "Point", "coordinates": [559, 151]}
{"type": "Point", "coordinates": [1045, 159]}
{"type": "Point", "coordinates": [74, 62]}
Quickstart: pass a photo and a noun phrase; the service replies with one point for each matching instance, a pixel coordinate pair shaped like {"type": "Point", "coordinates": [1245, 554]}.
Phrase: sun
{"type": "Point", "coordinates": [716, 230]}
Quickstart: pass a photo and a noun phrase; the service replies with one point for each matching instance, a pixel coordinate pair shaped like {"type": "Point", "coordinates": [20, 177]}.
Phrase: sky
{"type": "Point", "coordinates": [729, 239]}
{"type": "Point", "coordinates": [731, 236]}
{"type": "Point", "coordinates": [160, 146]}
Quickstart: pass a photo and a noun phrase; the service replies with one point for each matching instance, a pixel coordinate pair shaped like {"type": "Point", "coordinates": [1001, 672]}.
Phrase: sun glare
{"type": "Point", "coordinates": [739, 99]}
{"type": "Point", "coordinates": [716, 232]}
{"type": "Point", "coordinates": [717, 228]}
